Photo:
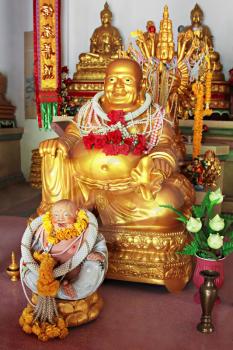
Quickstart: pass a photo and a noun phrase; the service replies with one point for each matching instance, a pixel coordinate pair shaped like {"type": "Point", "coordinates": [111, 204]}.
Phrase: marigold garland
{"type": "Point", "coordinates": [47, 286]}
{"type": "Point", "coordinates": [75, 230]}
{"type": "Point", "coordinates": [43, 330]}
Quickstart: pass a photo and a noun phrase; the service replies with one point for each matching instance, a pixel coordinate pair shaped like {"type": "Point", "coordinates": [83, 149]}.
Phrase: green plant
{"type": "Point", "coordinates": [212, 236]}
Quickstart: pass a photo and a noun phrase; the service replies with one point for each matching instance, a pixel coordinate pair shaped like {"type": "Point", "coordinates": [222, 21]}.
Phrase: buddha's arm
{"type": "Point", "coordinates": [164, 154]}
{"type": "Point", "coordinates": [70, 136]}
{"type": "Point", "coordinates": [63, 144]}
{"type": "Point", "coordinates": [93, 40]}
{"type": "Point", "coordinates": [154, 169]}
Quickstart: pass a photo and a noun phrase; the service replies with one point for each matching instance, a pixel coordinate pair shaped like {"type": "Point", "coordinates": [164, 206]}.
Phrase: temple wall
{"type": "Point", "coordinates": [79, 19]}
{"type": "Point", "coordinates": [131, 15]}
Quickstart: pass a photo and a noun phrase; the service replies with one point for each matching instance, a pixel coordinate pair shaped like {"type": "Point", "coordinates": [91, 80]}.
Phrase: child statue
{"type": "Point", "coordinates": [63, 257]}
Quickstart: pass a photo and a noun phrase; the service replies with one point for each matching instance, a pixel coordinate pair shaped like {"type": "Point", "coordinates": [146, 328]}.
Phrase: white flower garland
{"type": "Point", "coordinates": [129, 116]}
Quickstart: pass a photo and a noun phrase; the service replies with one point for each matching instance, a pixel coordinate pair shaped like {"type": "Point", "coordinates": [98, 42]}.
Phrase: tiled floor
{"type": "Point", "coordinates": [19, 199]}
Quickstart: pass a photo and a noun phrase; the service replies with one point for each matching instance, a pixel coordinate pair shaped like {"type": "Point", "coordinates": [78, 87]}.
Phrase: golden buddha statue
{"type": "Point", "coordinates": [106, 39]}
{"type": "Point", "coordinates": [120, 156]}
{"type": "Point", "coordinates": [198, 28]}
{"type": "Point", "coordinates": [203, 33]}
{"type": "Point", "coordinates": [106, 42]}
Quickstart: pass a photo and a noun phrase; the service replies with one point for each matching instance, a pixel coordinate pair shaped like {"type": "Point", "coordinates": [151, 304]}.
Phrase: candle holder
{"type": "Point", "coordinates": [208, 295]}
{"type": "Point", "coordinates": [13, 269]}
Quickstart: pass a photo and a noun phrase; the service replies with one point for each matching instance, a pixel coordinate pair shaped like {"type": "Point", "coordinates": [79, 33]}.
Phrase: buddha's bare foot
{"type": "Point", "coordinates": [95, 256]}
{"type": "Point", "coordinates": [68, 289]}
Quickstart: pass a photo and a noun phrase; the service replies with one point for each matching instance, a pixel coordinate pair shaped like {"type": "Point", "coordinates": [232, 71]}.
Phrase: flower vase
{"type": "Point", "coordinates": [208, 295]}
{"type": "Point", "coordinates": [207, 264]}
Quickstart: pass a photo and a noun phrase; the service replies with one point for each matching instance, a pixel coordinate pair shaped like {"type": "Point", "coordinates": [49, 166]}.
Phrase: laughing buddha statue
{"type": "Point", "coordinates": [119, 156]}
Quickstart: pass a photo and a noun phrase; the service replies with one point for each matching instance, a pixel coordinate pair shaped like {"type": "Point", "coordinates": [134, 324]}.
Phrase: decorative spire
{"type": "Point", "coordinates": [165, 47]}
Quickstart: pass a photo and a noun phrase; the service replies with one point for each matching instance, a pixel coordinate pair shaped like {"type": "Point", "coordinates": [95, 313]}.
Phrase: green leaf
{"type": "Point", "coordinates": [197, 211]}
{"type": "Point", "coordinates": [178, 212]}
{"type": "Point", "coordinates": [206, 254]}
{"type": "Point", "coordinates": [190, 249]}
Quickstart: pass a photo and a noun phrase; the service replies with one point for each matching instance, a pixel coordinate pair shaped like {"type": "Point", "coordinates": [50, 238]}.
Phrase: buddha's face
{"type": "Point", "coordinates": [122, 83]}
{"type": "Point", "coordinates": [105, 18]}
{"type": "Point", "coordinates": [196, 17]}
{"type": "Point", "coordinates": [63, 214]}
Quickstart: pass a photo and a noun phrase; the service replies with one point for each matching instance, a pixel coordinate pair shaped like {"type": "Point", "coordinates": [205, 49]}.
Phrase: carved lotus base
{"type": "Point", "coordinates": [80, 311]}
{"type": "Point", "coordinates": [144, 254]}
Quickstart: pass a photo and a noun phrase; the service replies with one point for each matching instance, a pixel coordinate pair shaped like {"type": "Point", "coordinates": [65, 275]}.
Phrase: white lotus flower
{"type": "Point", "coordinates": [217, 223]}
{"type": "Point", "coordinates": [194, 224]}
{"type": "Point", "coordinates": [215, 241]}
{"type": "Point", "coordinates": [216, 195]}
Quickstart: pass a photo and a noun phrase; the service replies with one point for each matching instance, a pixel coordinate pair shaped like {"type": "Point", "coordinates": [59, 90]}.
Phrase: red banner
{"type": "Point", "coordinates": [47, 59]}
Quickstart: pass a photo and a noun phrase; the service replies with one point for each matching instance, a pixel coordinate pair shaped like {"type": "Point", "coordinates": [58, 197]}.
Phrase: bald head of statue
{"type": "Point", "coordinates": [122, 86]}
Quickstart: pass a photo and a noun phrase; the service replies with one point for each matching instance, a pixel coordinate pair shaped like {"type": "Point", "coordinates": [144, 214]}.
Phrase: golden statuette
{"type": "Point", "coordinates": [106, 42]}
{"type": "Point", "coordinates": [202, 34]}
{"type": "Point", "coordinates": [13, 269]}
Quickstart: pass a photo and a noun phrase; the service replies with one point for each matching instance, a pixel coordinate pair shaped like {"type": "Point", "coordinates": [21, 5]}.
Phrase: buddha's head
{"type": "Point", "coordinates": [106, 15]}
{"type": "Point", "coordinates": [63, 213]}
{"type": "Point", "coordinates": [196, 15]}
{"type": "Point", "coordinates": [123, 84]}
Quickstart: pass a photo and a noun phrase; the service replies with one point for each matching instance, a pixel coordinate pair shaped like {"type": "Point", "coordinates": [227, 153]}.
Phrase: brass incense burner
{"type": "Point", "coordinates": [13, 269]}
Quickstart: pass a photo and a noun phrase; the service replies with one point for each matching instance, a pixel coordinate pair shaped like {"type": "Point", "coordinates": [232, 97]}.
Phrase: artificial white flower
{"type": "Point", "coordinates": [215, 241]}
{"type": "Point", "coordinates": [194, 224]}
{"type": "Point", "coordinates": [217, 223]}
{"type": "Point", "coordinates": [216, 195]}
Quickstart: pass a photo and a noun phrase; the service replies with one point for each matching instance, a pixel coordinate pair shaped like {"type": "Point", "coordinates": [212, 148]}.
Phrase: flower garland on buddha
{"type": "Point", "coordinates": [73, 231]}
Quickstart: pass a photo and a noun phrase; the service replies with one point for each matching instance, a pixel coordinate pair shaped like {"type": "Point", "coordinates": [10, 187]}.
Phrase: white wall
{"type": "Point", "coordinates": [128, 15]}
{"type": "Point", "coordinates": [16, 18]}
{"type": "Point", "coordinates": [79, 19]}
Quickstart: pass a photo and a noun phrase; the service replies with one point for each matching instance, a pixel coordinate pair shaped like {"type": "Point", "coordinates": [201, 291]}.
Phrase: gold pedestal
{"type": "Point", "coordinates": [144, 254]}
{"type": "Point", "coordinates": [81, 311]}
{"type": "Point", "coordinates": [78, 312]}
{"type": "Point", "coordinates": [70, 314]}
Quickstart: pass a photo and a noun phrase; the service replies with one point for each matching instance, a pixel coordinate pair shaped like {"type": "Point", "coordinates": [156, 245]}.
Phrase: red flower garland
{"type": "Point", "coordinates": [113, 143]}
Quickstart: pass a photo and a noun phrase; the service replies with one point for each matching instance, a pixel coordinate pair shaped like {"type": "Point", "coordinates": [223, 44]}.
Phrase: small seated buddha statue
{"type": "Point", "coordinates": [120, 157]}
{"type": "Point", "coordinates": [63, 257]}
{"type": "Point", "coordinates": [106, 41]}
{"type": "Point", "coordinates": [203, 33]}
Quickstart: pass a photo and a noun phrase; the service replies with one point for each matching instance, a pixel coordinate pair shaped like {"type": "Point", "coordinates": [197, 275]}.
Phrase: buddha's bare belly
{"type": "Point", "coordinates": [94, 164]}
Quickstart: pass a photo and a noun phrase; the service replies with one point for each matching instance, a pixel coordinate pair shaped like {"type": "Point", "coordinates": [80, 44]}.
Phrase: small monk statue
{"type": "Point", "coordinates": [64, 257]}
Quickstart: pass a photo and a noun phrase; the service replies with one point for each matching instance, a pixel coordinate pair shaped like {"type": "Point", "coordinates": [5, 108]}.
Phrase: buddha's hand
{"type": "Point", "coordinates": [95, 256]}
{"type": "Point", "coordinates": [147, 179]}
{"type": "Point", "coordinates": [53, 147]}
